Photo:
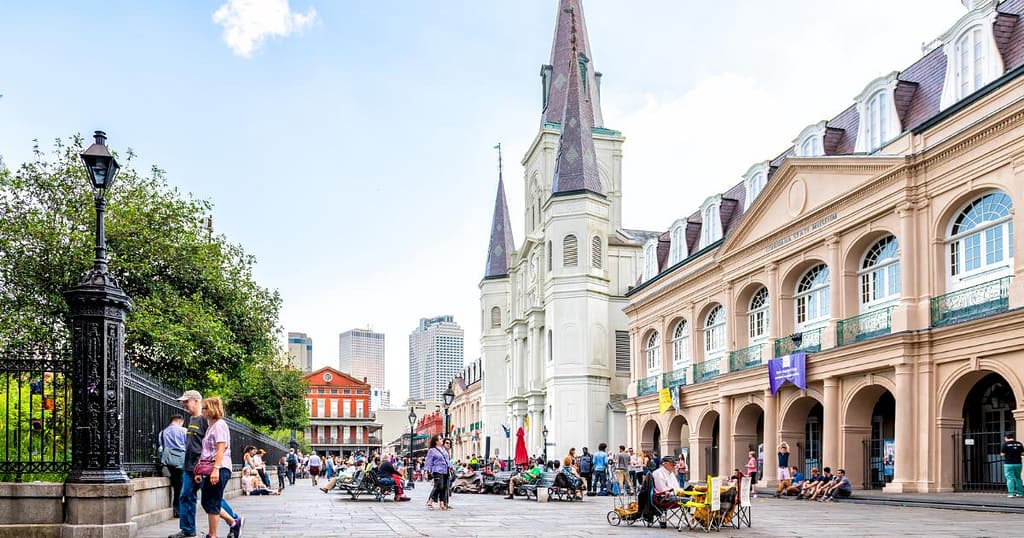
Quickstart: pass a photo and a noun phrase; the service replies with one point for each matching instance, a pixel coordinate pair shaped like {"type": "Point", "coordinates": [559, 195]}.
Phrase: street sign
{"type": "Point", "coordinates": [969, 442]}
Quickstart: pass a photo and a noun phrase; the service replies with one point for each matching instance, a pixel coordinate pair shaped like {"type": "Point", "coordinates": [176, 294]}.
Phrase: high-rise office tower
{"type": "Point", "coordinates": [435, 357]}
{"type": "Point", "coordinates": [300, 351]}
{"type": "Point", "coordinates": [361, 354]}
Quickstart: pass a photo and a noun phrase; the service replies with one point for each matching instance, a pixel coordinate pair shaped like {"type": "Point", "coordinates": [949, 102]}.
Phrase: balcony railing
{"type": "Point", "coordinates": [674, 378]}
{"type": "Point", "coordinates": [708, 369]}
{"type": "Point", "coordinates": [975, 302]}
{"type": "Point", "coordinates": [647, 385]}
{"type": "Point", "coordinates": [809, 342]}
{"type": "Point", "coordinates": [864, 326]}
{"type": "Point", "coordinates": [748, 357]}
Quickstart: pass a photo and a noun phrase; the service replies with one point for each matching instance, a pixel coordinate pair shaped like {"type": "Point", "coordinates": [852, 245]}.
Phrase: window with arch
{"type": "Point", "coordinates": [495, 318]}
{"type": "Point", "coordinates": [652, 351]}
{"type": "Point", "coordinates": [709, 226]}
{"type": "Point", "coordinates": [880, 274]}
{"type": "Point", "coordinates": [981, 239]}
{"type": "Point", "coordinates": [551, 346]}
{"type": "Point", "coordinates": [650, 260]}
{"type": "Point", "coordinates": [677, 250]}
{"type": "Point", "coordinates": [549, 256]}
{"type": "Point", "coordinates": [681, 345]}
{"type": "Point", "coordinates": [714, 333]}
{"type": "Point", "coordinates": [756, 185]}
{"type": "Point", "coordinates": [570, 251]}
{"type": "Point", "coordinates": [812, 297]}
{"type": "Point", "coordinates": [595, 252]}
{"type": "Point", "coordinates": [970, 56]}
{"type": "Point", "coordinates": [877, 119]}
{"type": "Point", "coordinates": [757, 316]}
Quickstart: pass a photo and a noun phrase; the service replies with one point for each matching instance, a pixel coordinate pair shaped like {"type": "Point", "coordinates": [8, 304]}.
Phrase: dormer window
{"type": "Point", "coordinates": [711, 222]}
{"type": "Point", "coordinates": [677, 251]}
{"type": "Point", "coordinates": [650, 259]}
{"type": "Point", "coordinates": [811, 142]}
{"type": "Point", "coordinates": [972, 58]}
{"type": "Point", "coordinates": [754, 180]}
{"type": "Point", "coordinates": [878, 120]}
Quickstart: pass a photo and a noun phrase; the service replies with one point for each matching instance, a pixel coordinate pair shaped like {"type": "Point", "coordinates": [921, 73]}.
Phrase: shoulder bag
{"type": "Point", "coordinates": [203, 468]}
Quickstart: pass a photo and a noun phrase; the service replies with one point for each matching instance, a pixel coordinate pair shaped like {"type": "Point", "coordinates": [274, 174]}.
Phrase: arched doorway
{"type": "Point", "coordinates": [869, 434]}
{"type": "Point", "coordinates": [987, 415]}
{"type": "Point", "coordinates": [707, 447]}
{"type": "Point", "coordinates": [679, 438]}
{"type": "Point", "coordinates": [748, 436]}
{"type": "Point", "coordinates": [650, 437]}
{"type": "Point", "coordinates": [802, 431]}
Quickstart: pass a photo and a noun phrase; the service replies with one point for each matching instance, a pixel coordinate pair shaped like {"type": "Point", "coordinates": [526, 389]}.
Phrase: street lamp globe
{"type": "Point", "coordinates": [101, 166]}
{"type": "Point", "coordinates": [449, 396]}
{"type": "Point", "coordinates": [412, 417]}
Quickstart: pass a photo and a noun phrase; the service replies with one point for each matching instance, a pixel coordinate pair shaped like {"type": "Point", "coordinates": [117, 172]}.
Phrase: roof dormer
{"type": "Point", "coordinates": [972, 56]}
{"type": "Point", "coordinates": [811, 141]}
{"type": "Point", "coordinates": [711, 220]}
{"type": "Point", "coordinates": [754, 181]}
{"type": "Point", "coordinates": [677, 238]}
{"type": "Point", "coordinates": [879, 122]}
{"type": "Point", "coordinates": [650, 259]}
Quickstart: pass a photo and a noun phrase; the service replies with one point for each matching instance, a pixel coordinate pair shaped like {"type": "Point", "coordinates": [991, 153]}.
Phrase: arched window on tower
{"type": "Point", "coordinates": [595, 252]}
{"type": "Point", "coordinates": [570, 251]}
{"type": "Point", "coordinates": [495, 318]}
{"type": "Point", "coordinates": [549, 256]}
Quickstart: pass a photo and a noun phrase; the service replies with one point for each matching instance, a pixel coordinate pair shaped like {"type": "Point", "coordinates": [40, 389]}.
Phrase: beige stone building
{"type": "Point", "coordinates": [466, 417]}
{"type": "Point", "coordinates": [880, 244]}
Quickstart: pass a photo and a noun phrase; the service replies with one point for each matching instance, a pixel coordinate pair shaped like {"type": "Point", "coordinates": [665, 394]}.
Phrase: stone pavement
{"type": "Point", "coordinates": [303, 511]}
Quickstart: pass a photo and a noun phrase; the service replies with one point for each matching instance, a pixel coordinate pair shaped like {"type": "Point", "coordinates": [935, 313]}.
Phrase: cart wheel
{"type": "Point", "coordinates": [613, 518]}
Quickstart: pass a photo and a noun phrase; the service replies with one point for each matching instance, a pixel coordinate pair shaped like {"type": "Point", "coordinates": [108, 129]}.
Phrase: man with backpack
{"type": "Point", "coordinates": [293, 464]}
{"type": "Point", "coordinates": [587, 469]}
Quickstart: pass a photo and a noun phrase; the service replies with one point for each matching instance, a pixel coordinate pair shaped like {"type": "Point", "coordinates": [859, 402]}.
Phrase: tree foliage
{"type": "Point", "coordinates": [200, 320]}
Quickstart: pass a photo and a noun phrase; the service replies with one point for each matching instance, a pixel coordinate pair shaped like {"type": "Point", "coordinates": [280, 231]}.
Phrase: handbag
{"type": "Point", "coordinates": [203, 468]}
{"type": "Point", "coordinates": [172, 457]}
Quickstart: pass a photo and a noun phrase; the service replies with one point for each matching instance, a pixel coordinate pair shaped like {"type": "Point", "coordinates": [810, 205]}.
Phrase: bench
{"type": "Point", "coordinates": [364, 484]}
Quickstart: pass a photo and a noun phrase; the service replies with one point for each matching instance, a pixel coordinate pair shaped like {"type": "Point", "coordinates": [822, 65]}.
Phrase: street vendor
{"type": "Point", "coordinates": [666, 482]}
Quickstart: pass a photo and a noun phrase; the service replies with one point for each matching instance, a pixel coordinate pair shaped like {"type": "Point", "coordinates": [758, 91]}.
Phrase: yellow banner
{"type": "Point", "coordinates": [664, 400]}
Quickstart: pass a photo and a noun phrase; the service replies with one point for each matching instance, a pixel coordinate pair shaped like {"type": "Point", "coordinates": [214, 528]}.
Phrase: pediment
{"type": "Point", "coordinates": [799, 188]}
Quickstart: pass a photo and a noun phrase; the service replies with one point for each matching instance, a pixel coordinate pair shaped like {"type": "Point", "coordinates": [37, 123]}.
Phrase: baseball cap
{"type": "Point", "coordinates": [190, 395]}
{"type": "Point", "coordinates": [668, 459]}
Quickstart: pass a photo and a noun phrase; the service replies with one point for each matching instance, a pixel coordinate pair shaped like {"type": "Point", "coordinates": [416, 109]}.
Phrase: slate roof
{"type": "Point", "coordinates": [917, 96]}
{"type": "Point", "coordinates": [499, 252]}
{"type": "Point", "coordinates": [576, 163]}
{"type": "Point", "coordinates": [561, 52]}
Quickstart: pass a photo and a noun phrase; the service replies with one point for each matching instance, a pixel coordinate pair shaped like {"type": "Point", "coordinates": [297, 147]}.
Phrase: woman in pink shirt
{"type": "Point", "coordinates": [752, 470]}
{"type": "Point", "coordinates": [216, 448]}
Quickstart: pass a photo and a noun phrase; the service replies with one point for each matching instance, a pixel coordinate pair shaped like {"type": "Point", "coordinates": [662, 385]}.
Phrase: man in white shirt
{"type": "Point", "coordinates": [665, 479]}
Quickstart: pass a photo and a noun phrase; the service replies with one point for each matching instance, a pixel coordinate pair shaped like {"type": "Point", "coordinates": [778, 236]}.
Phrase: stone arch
{"type": "Point", "coordinates": [650, 435]}
{"type": "Point", "coordinates": [798, 410]}
{"type": "Point", "coordinates": [851, 262]}
{"type": "Point", "coordinates": [952, 392]}
{"type": "Point", "coordinates": [747, 431]}
{"type": "Point", "coordinates": [862, 431]}
{"type": "Point", "coordinates": [787, 289]}
{"type": "Point", "coordinates": [704, 447]}
{"type": "Point", "coordinates": [940, 228]}
{"type": "Point", "coordinates": [678, 435]}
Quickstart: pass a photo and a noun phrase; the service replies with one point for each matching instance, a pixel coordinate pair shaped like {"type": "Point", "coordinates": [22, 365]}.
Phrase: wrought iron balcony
{"type": "Point", "coordinates": [806, 341]}
{"type": "Point", "coordinates": [975, 302]}
{"type": "Point", "coordinates": [675, 378]}
{"type": "Point", "coordinates": [864, 326]}
{"type": "Point", "coordinates": [708, 369]}
{"type": "Point", "coordinates": [748, 357]}
{"type": "Point", "coordinates": [647, 385]}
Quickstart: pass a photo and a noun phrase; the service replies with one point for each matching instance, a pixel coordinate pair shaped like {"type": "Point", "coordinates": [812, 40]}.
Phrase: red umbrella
{"type": "Point", "coordinates": [522, 458]}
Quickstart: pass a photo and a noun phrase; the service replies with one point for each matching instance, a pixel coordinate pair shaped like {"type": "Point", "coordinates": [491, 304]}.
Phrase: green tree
{"type": "Point", "coordinates": [200, 320]}
{"type": "Point", "coordinates": [270, 392]}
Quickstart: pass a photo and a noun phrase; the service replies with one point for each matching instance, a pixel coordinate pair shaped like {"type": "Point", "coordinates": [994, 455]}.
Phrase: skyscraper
{"type": "Point", "coordinates": [300, 351]}
{"type": "Point", "coordinates": [361, 354]}
{"type": "Point", "coordinates": [435, 357]}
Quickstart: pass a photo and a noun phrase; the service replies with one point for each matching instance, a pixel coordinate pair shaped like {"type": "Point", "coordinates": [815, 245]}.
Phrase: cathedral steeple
{"type": "Point", "coordinates": [576, 164]}
{"type": "Point", "coordinates": [555, 76]}
{"type": "Point", "coordinates": [499, 253]}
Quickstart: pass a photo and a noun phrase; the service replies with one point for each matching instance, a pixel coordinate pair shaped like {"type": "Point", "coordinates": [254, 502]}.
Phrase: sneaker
{"type": "Point", "coordinates": [510, 497]}
{"type": "Point", "coordinates": [183, 534]}
{"type": "Point", "coordinates": [235, 530]}
{"type": "Point", "coordinates": [1009, 496]}
{"type": "Point", "coordinates": [403, 499]}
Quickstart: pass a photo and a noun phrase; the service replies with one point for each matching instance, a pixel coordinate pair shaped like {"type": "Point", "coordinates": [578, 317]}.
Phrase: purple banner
{"type": "Point", "coordinates": [792, 368]}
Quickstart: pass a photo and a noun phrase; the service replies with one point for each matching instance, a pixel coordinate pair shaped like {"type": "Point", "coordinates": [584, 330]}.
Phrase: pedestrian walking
{"type": "Point", "coordinates": [195, 433]}
{"type": "Point", "coordinates": [437, 464]}
{"type": "Point", "coordinates": [586, 469]}
{"type": "Point", "coordinates": [1011, 453]}
{"type": "Point", "coordinates": [216, 457]}
{"type": "Point", "coordinates": [172, 457]}
{"type": "Point", "coordinates": [314, 466]}
{"type": "Point", "coordinates": [600, 484]}
{"type": "Point", "coordinates": [635, 469]}
{"type": "Point", "coordinates": [282, 472]}
{"type": "Point", "coordinates": [293, 465]}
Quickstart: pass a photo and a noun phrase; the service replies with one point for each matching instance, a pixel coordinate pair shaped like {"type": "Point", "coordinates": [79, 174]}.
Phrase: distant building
{"type": "Point", "coordinates": [361, 354]}
{"type": "Point", "coordinates": [379, 398]}
{"type": "Point", "coordinates": [300, 351]}
{"type": "Point", "coordinates": [340, 420]}
{"type": "Point", "coordinates": [435, 357]}
{"type": "Point", "coordinates": [466, 420]}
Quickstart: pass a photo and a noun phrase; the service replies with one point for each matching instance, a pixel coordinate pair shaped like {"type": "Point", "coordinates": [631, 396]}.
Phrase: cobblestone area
{"type": "Point", "coordinates": [304, 511]}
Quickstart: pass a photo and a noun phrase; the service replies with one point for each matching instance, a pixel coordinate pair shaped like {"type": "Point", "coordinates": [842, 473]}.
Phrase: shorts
{"type": "Point", "coordinates": [783, 473]}
{"type": "Point", "coordinates": [753, 477]}
{"type": "Point", "coordinates": [314, 471]}
{"type": "Point", "coordinates": [213, 494]}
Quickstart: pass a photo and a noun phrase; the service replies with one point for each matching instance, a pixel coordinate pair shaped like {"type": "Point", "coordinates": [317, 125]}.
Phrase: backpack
{"type": "Point", "coordinates": [291, 459]}
{"type": "Point", "coordinates": [652, 465]}
{"type": "Point", "coordinates": [586, 463]}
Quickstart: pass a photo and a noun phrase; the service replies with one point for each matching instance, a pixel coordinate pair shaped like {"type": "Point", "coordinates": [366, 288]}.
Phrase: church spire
{"type": "Point", "coordinates": [576, 164]}
{"type": "Point", "coordinates": [555, 76]}
{"type": "Point", "coordinates": [499, 253]}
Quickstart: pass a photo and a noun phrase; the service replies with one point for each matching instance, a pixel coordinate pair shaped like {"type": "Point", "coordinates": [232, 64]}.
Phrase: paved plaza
{"type": "Point", "coordinates": [304, 511]}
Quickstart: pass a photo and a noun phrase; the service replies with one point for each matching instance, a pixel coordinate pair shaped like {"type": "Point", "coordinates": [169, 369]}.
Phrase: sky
{"type": "Point", "coordinates": [347, 145]}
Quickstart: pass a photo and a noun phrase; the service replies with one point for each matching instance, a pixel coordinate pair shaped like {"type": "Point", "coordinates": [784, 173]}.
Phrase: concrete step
{"type": "Point", "coordinates": [973, 502]}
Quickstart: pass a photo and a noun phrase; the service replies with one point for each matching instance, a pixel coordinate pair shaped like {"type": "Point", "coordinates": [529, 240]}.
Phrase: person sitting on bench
{"type": "Point", "coordinates": [526, 477]}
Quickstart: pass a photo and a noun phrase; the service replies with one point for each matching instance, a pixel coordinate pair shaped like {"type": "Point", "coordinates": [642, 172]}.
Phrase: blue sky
{"type": "Point", "coordinates": [353, 156]}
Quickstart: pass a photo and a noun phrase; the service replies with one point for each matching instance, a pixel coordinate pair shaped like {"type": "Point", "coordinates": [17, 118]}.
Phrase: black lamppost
{"type": "Point", "coordinates": [98, 309]}
{"type": "Point", "coordinates": [544, 433]}
{"type": "Point", "coordinates": [412, 424]}
{"type": "Point", "coordinates": [449, 396]}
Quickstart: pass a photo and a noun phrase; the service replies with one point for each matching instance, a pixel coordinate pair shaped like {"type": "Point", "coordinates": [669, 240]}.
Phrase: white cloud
{"type": "Point", "coordinates": [247, 23]}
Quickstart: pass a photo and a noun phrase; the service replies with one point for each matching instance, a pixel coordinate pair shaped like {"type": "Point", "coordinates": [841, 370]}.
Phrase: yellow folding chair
{"type": "Point", "coordinates": [698, 512]}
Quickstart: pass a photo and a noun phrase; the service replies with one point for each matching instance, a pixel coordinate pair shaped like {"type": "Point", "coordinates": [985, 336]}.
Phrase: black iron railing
{"type": "Point", "coordinates": [35, 430]}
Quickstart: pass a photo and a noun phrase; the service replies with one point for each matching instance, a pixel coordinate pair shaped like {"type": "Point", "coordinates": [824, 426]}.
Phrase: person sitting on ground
{"type": "Point", "coordinates": [252, 485]}
{"type": "Point", "coordinates": [840, 487]}
{"type": "Point", "coordinates": [526, 477]}
{"type": "Point", "coordinates": [823, 483]}
{"type": "Point", "coordinates": [791, 486]}
{"type": "Point", "coordinates": [385, 471]}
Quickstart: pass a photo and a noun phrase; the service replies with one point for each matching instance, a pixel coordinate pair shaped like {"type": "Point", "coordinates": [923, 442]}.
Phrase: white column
{"type": "Point", "coordinates": [830, 428]}
{"type": "Point", "coordinates": [903, 474]}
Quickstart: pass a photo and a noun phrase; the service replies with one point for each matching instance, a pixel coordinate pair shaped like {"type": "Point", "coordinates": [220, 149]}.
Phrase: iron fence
{"type": "Point", "coordinates": [35, 434]}
{"type": "Point", "coordinates": [977, 465]}
{"type": "Point", "coordinates": [808, 341]}
{"type": "Point", "coordinates": [706, 369]}
{"type": "Point", "coordinates": [647, 385]}
{"type": "Point", "coordinates": [748, 357]}
{"type": "Point", "coordinates": [985, 299]}
{"type": "Point", "coordinates": [675, 378]}
{"type": "Point", "coordinates": [864, 326]}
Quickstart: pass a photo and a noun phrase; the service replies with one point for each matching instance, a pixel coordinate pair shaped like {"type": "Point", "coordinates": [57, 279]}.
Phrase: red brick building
{"type": "Point", "coordinates": [340, 420]}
